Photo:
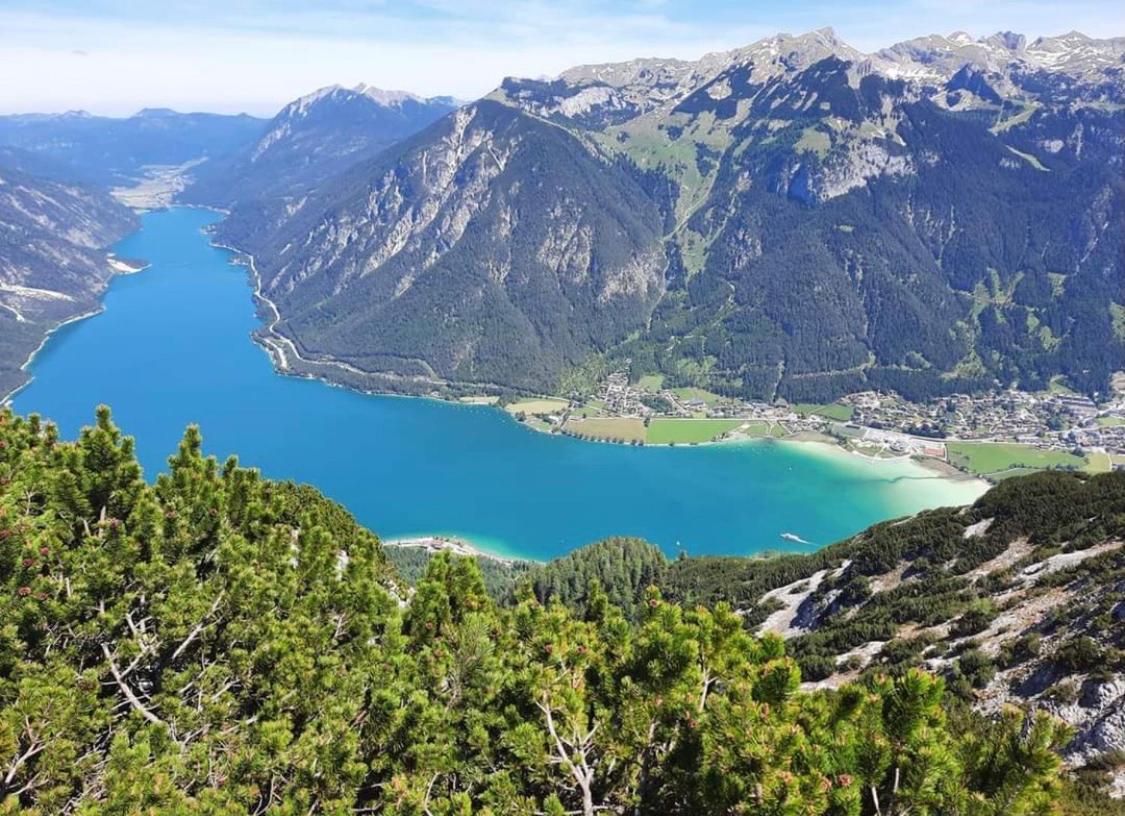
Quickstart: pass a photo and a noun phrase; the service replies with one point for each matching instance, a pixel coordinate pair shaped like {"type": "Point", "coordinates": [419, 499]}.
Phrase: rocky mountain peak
{"type": "Point", "coordinates": [338, 93]}
{"type": "Point", "coordinates": [389, 99]}
{"type": "Point", "coordinates": [1007, 39]}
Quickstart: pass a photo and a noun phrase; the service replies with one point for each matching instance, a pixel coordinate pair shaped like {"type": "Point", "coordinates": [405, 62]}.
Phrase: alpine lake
{"type": "Point", "coordinates": [173, 346]}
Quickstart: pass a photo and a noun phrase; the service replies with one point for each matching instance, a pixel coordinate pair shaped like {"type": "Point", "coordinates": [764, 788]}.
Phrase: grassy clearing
{"type": "Point", "coordinates": [1059, 386]}
{"type": "Point", "coordinates": [841, 413]}
{"type": "Point", "coordinates": [1117, 314]}
{"type": "Point", "coordinates": [696, 393]}
{"type": "Point", "coordinates": [813, 141]}
{"type": "Point", "coordinates": [1098, 462]}
{"type": "Point", "coordinates": [994, 458]}
{"type": "Point", "coordinates": [615, 429]}
{"type": "Point", "coordinates": [590, 408]}
{"type": "Point", "coordinates": [764, 430]}
{"type": "Point", "coordinates": [1111, 421]}
{"type": "Point", "coordinates": [688, 431]}
{"type": "Point", "coordinates": [481, 400]}
{"type": "Point", "coordinates": [1018, 118]}
{"type": "Point", "coordinates": [651, 382]}
{"type": "Point", "coordinates": [537, 406]}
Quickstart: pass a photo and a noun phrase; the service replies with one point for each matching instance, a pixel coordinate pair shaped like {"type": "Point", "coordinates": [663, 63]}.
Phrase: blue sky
{"type": "Point", "coordinates": [115, 56]}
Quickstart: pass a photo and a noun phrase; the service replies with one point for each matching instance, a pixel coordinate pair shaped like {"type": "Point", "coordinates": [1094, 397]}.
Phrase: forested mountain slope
{"type": "Point", "coordinates": [53, 266]}
{"type": "Point", "coordinates": [944, 215]}
{"type": "Point", "coordinates": [493, 247]}
{"type": "Point", "coordinates": [311, 140]}
{"type": "Point", "coordinates": [216, 642]}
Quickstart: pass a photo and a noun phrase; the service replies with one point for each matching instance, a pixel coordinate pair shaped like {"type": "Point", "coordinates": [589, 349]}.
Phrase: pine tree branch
{"type": "Point", "coordinates": [134, 701]}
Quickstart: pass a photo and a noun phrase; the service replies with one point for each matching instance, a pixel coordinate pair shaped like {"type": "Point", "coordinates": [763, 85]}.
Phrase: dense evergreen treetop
{"type": "Point", "coordinates": [218, 643]}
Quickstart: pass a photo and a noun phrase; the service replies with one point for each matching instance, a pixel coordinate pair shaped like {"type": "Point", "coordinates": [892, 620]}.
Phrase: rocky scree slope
{"type": "Point", "coordinates": [1019, 598]}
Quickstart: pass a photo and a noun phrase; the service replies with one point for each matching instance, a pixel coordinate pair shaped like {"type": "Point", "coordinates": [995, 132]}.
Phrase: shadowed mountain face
{"type": "Point", "coordinates": [52, 266]}
{"type": "Point", "coordinates": [313, 139]}
{"type": "Point", "coordinates": [794, 218]}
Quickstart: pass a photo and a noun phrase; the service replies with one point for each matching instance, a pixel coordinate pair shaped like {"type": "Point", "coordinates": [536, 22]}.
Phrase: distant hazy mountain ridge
{"type": "Point", "coordinates": [108, 151]}
{"type": "Point", "coordinates": [945, 214]}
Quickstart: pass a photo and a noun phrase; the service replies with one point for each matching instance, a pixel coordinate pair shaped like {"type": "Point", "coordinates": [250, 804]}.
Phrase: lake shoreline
{"type": "Point", "coordinates": [274, 343]}
{"type": "Point", "coordinates": [456, 545]}
{"type": "Point", "coordinates": [120, 267]}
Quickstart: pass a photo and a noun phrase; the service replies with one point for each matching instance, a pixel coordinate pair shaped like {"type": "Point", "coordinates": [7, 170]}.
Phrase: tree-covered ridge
{"type": "Point", "coordinates": [219, 643]}
{"type": "Point", "coordinates": [623, 568]}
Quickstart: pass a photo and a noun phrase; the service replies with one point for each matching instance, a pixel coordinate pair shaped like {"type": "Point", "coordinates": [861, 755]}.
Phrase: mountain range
{"type": "Point", "coordinates": [794, 218]}
{"type": "Point", "coordinates": [109, 151]}
{"type": "Point", "coordinates": [56, 171]}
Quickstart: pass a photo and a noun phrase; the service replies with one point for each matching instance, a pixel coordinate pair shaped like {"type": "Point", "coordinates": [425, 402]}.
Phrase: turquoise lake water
{"type": "Point", "coordinates": [173, 347]}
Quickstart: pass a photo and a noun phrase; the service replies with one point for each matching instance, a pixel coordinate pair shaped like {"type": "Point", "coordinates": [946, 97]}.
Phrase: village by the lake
{"type": "Point", "coordinates": [995, 436]}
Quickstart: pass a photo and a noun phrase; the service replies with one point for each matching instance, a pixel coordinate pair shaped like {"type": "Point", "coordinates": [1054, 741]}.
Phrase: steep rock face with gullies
{"type": "Point", "coordinates": [493, 248]}
{"type": "Point", "coordinates": [944, 215]}
{"type": "Point", "coordinates": [53, 265]}
{"type": "Point", "coordinates": [311, 140]}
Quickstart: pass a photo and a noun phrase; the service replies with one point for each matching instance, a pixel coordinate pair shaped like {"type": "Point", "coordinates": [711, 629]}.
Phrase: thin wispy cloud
{"type": "Point", "coordinates": [114, 57]}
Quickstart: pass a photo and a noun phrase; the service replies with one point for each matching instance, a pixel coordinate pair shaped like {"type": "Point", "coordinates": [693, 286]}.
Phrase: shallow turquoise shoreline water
{"type": "Point", "coordinates": [173, 347]}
